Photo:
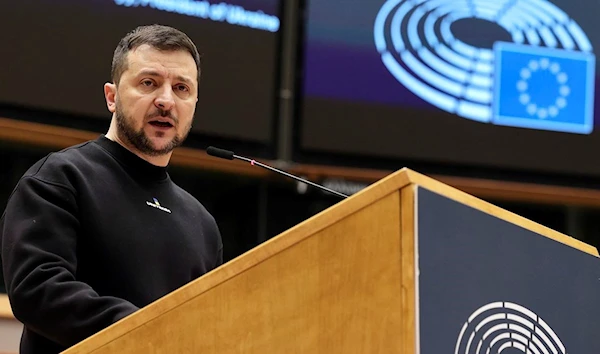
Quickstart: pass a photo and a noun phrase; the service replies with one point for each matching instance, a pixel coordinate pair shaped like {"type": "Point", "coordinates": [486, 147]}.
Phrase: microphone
{"type": "Point", "coordinates": [229, 155]}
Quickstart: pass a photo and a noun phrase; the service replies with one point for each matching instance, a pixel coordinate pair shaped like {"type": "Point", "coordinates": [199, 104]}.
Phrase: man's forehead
{"type": "Point", "coordinates": [178, 62]}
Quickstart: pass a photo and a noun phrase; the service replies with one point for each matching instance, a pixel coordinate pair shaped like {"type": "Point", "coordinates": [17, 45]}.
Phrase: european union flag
{"type": "Point", "coordinates": [543, 88]}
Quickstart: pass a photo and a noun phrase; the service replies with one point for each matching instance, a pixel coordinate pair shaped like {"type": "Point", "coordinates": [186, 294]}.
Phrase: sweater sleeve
{"type": "Point", "coordinates": [39, 231]}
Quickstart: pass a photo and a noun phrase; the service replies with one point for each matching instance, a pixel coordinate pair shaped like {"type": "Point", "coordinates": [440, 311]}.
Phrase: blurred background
{"type": "Point", "coordinates": [340, 92]}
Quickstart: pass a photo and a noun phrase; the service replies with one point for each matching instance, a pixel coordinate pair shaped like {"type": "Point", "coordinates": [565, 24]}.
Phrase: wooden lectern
{"type": "Point", "coordinates": [407, 265]}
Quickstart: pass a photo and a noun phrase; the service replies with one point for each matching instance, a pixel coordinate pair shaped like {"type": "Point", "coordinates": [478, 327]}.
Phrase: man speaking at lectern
{"type": "Point", "coordinates": [96, 231]}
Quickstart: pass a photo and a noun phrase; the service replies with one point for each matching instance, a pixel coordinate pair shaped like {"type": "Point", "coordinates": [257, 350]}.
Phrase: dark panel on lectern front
{"type": "Point", "coordinates": [485, 283]}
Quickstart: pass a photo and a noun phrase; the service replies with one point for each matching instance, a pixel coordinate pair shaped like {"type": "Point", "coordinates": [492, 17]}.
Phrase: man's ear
{"type": "Point", "coordinates": [110, 94]}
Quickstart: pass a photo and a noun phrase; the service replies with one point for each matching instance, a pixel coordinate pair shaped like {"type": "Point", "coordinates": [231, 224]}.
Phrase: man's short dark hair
{"type": "Point", "coordinates": [157, 36]}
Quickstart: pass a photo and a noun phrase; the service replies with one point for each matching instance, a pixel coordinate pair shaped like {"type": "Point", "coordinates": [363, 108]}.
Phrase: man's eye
{"type": "Point", "coordinates": [147, 83]}
{"type": "Point", "coordinates": [182, 88]}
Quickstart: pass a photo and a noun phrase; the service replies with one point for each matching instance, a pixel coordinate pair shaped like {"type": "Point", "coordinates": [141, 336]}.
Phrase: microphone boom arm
{"type": "Point", "coordinates": [254, 162]}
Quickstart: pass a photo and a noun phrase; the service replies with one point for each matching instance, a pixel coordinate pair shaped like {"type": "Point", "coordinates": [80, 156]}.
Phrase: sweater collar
{"type": "Point", "coordinates": [137, 167]}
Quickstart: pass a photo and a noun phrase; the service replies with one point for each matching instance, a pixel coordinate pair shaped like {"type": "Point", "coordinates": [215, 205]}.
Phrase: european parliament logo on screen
{"type": "Point", "coordinates": [543, 79]}
{"type": "Point", "coordinates": [543, 88]}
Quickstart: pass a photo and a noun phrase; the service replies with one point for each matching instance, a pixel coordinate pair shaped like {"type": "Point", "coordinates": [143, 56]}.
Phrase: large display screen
{"type": "Point", "coordinates": [56, 57]}
{"type": "Point", "coordinates": [487, 83]}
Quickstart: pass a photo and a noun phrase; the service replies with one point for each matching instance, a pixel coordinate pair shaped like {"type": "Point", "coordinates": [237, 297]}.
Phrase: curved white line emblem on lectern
{"type": "Point", "coordinates": [498, 326]}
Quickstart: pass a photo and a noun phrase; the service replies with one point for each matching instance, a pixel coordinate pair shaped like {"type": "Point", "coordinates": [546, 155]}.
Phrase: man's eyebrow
{"type": "Point", "coordinates": [185, 80]}
{"type": "Point", "coordinates": [157, 74]}
{"type": "Point", "coordinates": [149, 73]}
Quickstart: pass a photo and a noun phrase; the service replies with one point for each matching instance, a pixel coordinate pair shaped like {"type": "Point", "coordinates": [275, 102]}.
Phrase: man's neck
{"type": "Point", "coordinates": [161, 160]}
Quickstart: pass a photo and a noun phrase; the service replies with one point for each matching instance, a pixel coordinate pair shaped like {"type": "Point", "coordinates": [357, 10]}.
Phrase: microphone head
{"type": "Point", "coordinates": [224, 154]}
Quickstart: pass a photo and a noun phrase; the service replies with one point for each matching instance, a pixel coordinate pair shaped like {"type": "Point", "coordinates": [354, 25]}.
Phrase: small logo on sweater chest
{"type": "Point", "coordinates": [157, 205]}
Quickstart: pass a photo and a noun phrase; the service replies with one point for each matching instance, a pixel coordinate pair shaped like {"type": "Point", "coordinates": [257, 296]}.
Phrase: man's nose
{"type": "Point", "coordinates": [165, 99]}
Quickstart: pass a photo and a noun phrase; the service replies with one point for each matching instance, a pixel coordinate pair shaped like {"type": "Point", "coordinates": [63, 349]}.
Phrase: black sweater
{"type": "Point", "coordinates": [93, 233]}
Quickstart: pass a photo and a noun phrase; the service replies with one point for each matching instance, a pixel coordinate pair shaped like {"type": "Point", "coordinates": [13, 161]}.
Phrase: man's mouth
{"type": "Point", "coordinates": [161, 124]}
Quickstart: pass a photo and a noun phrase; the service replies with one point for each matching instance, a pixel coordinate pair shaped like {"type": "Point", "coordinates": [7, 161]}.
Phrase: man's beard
{"type": "Point", "coordinates": [139, 139]}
